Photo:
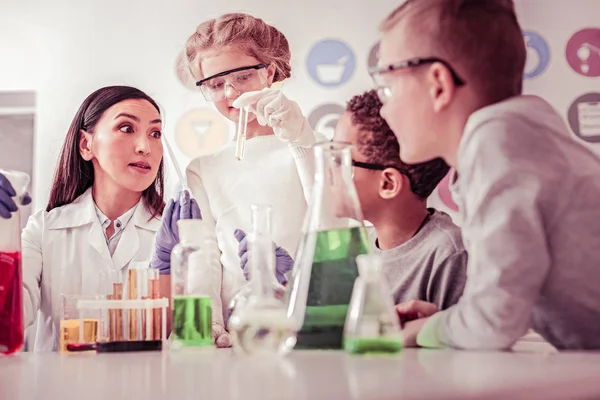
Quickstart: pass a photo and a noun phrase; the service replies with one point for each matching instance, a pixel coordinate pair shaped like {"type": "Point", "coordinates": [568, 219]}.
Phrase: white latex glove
{"type": "Point", "coordinates": [272, 108]}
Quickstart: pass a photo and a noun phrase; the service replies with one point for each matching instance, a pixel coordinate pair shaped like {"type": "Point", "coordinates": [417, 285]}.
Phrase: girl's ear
{"type": "Point", "coordinates": [271, 69]}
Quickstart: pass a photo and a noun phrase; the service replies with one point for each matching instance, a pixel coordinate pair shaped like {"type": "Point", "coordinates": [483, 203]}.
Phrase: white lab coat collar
{"type": "Point", "coordinates": [82, 212]}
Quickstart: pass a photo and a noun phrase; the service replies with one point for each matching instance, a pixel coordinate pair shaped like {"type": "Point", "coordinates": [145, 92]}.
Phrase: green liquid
{"type": "Point", "coordinates": [332, 279]}
{"type": "Point", "coordinates": [365, 346]}
{"type": "Point", "coordinates": [192, 320]}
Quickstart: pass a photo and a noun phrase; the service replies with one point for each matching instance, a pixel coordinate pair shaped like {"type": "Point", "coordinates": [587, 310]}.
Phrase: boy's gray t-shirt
{"type": "Point", "coordinates": [431, 266]}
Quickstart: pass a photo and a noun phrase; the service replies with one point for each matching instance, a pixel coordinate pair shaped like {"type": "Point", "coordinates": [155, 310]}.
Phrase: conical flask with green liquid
{"type": "Point", "coordinates": [325, 266]}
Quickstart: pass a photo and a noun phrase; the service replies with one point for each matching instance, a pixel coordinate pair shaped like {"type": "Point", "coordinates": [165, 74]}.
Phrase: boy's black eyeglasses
{"type": "Point", "coordinates": [384, 91]}
{"type": "Point", "coordinates": [379, 167]}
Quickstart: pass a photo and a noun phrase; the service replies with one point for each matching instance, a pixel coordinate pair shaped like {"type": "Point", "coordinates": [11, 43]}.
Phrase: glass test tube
{"type": "Point", "coordinates": [114, 291]}
{"type": "Point", "coordinates": [146, 277]}
{"type": "Point", "coordinates": [118, 314]}
{"type": "Point", "coordinates": [155, 318]}
{"type": "Point", "coordinates": [132, 315]}
{"type": "Point", "coordinates": [241, 133]}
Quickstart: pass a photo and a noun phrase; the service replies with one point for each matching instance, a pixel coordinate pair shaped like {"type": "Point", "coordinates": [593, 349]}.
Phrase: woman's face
{"type": "Point", "coordinates": [216, 62]}
{"type": "Point", "coordinates": [125, 147]}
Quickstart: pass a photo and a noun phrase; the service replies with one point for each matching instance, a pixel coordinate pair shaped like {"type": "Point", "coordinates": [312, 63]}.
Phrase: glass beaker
{"type": "Point", "coordinates": [77, 326]}
{"type": "Point", "coordinates": [11, 280]}
{"type": "Point", "coordinates": [371, 325]}
{"type": "Point", "coordinates": [325, 263]}
{"type": "Point", "coordinates": [195, 286]}
{"type": "Point", "coordinates": [261, 325]}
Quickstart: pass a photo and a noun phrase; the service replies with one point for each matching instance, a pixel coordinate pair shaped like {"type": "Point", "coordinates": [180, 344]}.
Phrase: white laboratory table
{"type": "Point", "coordinates": [536, 373]}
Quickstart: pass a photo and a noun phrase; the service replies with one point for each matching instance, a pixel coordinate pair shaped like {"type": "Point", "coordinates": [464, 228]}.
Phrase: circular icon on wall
{"type": "Point", "coordinates": [444, 192]}
{"type": "Point", "coordinates": [538, 54]}
{"type": "Point", "coordinates": [324, 118]}
{"type": "Point", "coordinates": [183, 72]}
{"type": "Point", "coordinates": [373, 56]}
{"type": "Point", "coordinates": [583, 52]}
{"type": "Point", "coordinates": [331, 62]}
{"type": "Point", "coordinates": [201, 131]}
{"type": "Point", "coordinates": [584, 117]}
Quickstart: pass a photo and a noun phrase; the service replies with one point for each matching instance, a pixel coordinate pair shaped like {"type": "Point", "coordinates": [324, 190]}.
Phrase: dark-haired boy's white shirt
{"type": "Point", "coordinates": [431, 266]}
{"type": "Point", "coordinates": [529, 198]}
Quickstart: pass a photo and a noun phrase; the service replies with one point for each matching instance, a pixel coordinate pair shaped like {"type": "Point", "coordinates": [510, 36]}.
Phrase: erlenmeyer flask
{"type": "Point", "coordinates": [371, 325]}
{"type": "Point", "coordinates": [261, 325]}
{"type": "Point", "coordinates": [325, 263]}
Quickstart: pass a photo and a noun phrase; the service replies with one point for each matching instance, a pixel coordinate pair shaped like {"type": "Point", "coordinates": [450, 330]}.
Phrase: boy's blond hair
{"type": "Point", "coordinates": [482, 39]}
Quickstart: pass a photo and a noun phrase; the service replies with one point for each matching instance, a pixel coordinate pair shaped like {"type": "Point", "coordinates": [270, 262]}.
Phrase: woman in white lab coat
{"type": "Point", "coordinates": [104, 209]}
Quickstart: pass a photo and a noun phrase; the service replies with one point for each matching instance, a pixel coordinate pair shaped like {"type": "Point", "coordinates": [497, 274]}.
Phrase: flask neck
{"type": "Point", "coordinates": [333, 163]}
{"type": "Point", "coordinates": [261, 257]}
{"type": "Point", "coordinates": [334, 203]}
{"type": "Point", "coordinates": [261, 220]}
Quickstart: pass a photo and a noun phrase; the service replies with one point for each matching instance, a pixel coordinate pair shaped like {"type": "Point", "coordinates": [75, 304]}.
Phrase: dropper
{"type": "Point", "coordinates": [180, 175]}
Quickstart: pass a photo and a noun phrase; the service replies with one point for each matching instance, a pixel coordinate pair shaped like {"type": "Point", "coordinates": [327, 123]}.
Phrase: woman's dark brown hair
{"type": "Point", "coordinates": [74, 175]}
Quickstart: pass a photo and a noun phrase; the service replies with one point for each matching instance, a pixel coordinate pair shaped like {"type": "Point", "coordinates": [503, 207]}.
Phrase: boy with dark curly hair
{"type": "Point", "coordinates": [422, 251]}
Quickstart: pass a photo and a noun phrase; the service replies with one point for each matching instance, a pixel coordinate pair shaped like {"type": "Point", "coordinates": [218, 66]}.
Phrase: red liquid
{"type": "Point", "coordinates": [11, 303]}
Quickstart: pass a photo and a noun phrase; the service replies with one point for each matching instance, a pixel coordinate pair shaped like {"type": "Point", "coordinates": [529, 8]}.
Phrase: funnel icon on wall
{"type": "Point", "coordinates": [331, 63]}
{"type": "Point", "coordinates": [201, 131]}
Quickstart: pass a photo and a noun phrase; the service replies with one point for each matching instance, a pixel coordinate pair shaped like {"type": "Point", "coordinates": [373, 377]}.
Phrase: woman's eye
{"type": "Point", "coordinates": [157, 134]}
{"type": "Point", "coordinates": [126, 129]}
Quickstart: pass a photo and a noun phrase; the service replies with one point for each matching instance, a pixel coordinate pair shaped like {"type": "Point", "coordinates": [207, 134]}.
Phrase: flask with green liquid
{"type": "Point", "coordinates": [325, 264]}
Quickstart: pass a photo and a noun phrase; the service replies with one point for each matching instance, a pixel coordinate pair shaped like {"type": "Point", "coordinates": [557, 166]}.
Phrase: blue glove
{"type": "Point", "coordinates": [7, 204]}
{"type": "Point", "coordinates": [283, 261]}
{"type": "Point", "coordinates": [168, 234]}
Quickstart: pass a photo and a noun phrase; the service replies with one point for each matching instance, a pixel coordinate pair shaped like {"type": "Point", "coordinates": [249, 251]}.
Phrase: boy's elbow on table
{"type": "Point", "coordinates": [477, 330]}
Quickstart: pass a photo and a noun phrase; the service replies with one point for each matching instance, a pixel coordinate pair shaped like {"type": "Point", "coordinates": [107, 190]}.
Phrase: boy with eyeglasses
{"type": "Point", "coordinates": [527, 192]}
{"type": "Point", "coordinates": [422, 251]}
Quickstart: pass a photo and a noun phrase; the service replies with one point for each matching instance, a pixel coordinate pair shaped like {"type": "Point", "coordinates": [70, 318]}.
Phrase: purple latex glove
{"type": "Point", "coordinates": [7, 204]}
{"type": "Point", "coordinates": [283, 261]}
{"type": "Point", "coordinates": [168, 234]}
